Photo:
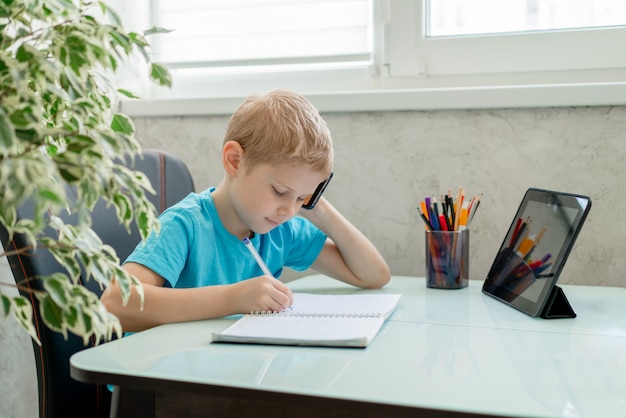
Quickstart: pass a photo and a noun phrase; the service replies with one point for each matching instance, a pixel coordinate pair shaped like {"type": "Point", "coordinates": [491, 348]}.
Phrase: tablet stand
{"type": "Point", "coordinates": [557, 305]}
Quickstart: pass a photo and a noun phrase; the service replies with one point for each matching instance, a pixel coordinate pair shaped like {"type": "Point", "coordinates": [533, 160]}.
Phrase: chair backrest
{"type": "Point", "coordinates": [59, 394]}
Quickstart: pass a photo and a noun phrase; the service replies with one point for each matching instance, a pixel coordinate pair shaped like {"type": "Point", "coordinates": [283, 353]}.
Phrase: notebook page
{"type": "Point", "coordinates": [325, 320]}
{"type": "Point", "coordinates": [303, 330]}
{"type": "Point", "coordinates": [364, 304]}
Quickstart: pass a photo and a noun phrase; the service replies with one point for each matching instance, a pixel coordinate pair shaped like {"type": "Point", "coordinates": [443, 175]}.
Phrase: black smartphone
{"type": "Point", "coordinates": [312, 200]}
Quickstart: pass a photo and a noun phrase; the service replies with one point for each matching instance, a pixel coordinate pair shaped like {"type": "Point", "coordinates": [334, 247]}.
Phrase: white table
{"type": "Point", "coordinates": [443, 353]}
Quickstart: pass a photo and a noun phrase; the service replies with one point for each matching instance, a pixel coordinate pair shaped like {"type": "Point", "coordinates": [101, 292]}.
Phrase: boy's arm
{"type": "Point", "coordinates": [164, 305]}
{"type": "Point", "coordinates": [347, 255]}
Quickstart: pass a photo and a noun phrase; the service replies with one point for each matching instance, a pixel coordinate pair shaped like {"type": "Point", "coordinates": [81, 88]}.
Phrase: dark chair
{"type": "Point", "coordinates": [59, 395]}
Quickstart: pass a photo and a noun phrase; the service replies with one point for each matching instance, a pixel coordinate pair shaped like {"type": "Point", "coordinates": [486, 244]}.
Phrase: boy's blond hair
{"type": "Point", "coordinates": [281, 127]}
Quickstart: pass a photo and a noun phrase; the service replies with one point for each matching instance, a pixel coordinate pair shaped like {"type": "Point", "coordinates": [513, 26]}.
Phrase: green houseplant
{"type": "Point", "coordinates": [58, 127]}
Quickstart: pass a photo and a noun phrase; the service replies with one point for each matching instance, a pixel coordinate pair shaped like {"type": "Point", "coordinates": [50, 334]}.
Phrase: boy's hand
{"type": "Point", "coordinates": [263, 293]}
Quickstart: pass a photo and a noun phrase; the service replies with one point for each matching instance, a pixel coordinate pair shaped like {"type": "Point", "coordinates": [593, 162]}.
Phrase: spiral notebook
{"type": "Point", "coordinates": [316, 320]}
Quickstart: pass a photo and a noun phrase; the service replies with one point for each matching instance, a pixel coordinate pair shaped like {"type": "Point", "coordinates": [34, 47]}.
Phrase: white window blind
{"type": "Point", "coordinates": [236, 33]}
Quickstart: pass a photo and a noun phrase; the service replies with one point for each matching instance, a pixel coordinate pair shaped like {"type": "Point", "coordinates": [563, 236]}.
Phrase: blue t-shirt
{"type": "Point", "coordinates": [193, 248]}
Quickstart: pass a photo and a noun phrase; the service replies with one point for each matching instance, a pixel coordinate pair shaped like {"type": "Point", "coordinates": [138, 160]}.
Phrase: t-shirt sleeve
{"type": "Point", "coordinates": [307, 243]}
{"type": "Point", "coordinates": [166, 253]}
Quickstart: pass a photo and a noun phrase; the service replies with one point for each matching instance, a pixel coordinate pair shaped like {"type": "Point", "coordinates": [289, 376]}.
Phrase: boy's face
{"type": "Point", "coordinates": [268, 196]}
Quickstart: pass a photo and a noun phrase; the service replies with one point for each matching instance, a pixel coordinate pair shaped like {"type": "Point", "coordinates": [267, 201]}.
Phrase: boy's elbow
{"type": "Point", "coordinates": [112, 299]}
{"type": "Point", "coordinates": [380, 279]}
{"type": "Point", "coordinates": [130, 313]}
{"type": "Point", "coordinates": [385, 276]}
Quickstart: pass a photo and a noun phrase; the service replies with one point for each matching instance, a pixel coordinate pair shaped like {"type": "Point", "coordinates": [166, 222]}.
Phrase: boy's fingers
{"type": "Point", "coordinates": [284, 298]}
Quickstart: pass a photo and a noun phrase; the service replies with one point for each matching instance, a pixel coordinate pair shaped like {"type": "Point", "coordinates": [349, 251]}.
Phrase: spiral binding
{"type": "Point", "coordinates": [264, 313]}
{"type": "Point", "coordinates": [316, 315]}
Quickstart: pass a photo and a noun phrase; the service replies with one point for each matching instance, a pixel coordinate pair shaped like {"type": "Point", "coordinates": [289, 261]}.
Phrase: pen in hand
{"type": "Point", "coordinates": [257, 257]}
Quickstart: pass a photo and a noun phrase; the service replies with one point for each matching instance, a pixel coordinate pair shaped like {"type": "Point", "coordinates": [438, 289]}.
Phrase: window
{"type": "Point", "coordinates": [506, 57]}
{"type": "Point", "coordinates": [390, 54]}
{"type": "Point", "coordinates": [480, 17]}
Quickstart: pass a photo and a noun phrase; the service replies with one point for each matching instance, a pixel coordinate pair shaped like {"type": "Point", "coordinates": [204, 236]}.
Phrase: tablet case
{"type": "Point", "coordinates": [557, 305]}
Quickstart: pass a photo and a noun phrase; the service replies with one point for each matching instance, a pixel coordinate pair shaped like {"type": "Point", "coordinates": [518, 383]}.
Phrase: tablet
{"type": "Point", "coordinates": [533, 253]}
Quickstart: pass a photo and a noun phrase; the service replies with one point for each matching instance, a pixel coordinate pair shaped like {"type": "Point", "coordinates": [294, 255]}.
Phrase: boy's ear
{"type": "Point", "coordinates": [231, 157]}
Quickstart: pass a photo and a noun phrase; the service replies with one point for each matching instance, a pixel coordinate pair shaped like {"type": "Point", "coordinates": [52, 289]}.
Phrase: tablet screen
{"type": "Point", "coordinates": [535, 248]}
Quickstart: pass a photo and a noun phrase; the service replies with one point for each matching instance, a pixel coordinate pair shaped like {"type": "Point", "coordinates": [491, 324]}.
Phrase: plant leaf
{"type": "Point", "coordinates": [7, 133]}
{"type": "Point", "coordinates": [6, 304]}
{"type": "Point", "coordinates": [55, 285]}
{"type": "Point", "coordinates": [23, 312]}
{"type": "Point", "coordinates": [123, 124]}
{"type": "Point", "coordinates": [160, 75]}
{"type": "Point", "coordinates": [52, 315]}
{"type": "Point", "coordinates": [128, 94]}
{"type": "Point", "coordinates": [155, 29]}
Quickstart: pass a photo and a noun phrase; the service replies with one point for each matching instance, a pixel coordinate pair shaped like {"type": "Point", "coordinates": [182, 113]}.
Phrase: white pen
{"type": "Point", "coordinates": [257, 257]}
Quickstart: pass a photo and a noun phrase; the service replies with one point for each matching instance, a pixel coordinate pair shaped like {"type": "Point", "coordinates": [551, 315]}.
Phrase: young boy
{"type": "Point", "coordinates": [276, 151]}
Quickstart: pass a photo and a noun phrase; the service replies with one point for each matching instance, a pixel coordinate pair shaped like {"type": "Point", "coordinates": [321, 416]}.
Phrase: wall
{"type": "Point", "coordinates": [18, 378]}
{"type": "Point", "coordinates": [386, 162]}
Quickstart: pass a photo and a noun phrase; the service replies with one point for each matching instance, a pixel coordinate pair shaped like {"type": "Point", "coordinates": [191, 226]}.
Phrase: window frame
{"type": "Point", "coordinates": [411, 72]}
{"type": "Point", "coordinates": [411, 53]}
